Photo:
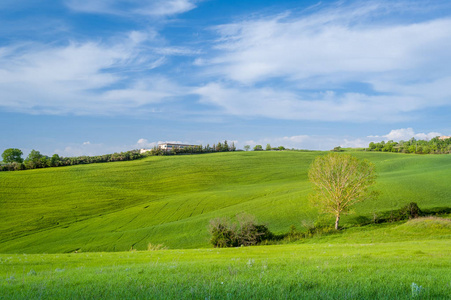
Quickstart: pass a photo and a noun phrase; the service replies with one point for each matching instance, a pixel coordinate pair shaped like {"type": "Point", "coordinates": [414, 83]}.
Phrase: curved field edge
{"type": "Point", "coordinates": [116, 206]}
{"type": "Point", "coordinates": [401, 270]}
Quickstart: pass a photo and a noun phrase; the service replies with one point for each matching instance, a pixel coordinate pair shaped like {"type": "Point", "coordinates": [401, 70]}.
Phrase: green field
{"type": "Point", "coordinates": [60, 226]}
{"type": "Point", "coordinates": [415, 269]}
{"type": "Point", "coordinates": [170, 200]}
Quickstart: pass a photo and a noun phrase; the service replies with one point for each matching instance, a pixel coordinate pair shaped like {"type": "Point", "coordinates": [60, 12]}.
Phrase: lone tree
{"type": "Point", "coordinates": [340, 181]}
{"type": "Point", "coordinates": [12, 155]}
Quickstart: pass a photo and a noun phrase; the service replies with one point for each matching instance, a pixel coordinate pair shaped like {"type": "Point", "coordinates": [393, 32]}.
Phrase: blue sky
{"type": "Point", "coordinates": [82, 77]}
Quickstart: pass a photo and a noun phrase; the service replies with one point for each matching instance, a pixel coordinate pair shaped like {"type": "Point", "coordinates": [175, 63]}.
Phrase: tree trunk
{"type": "Point", "coordinates": [336, 222]}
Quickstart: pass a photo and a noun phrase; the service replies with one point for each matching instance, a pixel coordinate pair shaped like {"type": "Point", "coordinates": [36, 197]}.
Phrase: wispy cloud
{"type": "Point", "coordinates": [289, 105]}
{"type": "Point", "coordinates": [337, 63]}
{"type": "Point", "coordinates": [156, 8]}
{"type": "Point", "coordinates": [110, 77]}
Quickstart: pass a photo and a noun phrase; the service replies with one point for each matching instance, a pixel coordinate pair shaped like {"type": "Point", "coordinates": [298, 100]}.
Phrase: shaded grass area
{"type": "Point", "coordinates": [170, 200]}
{"type": "Point", "coordinates": [309, 271]}
{"type": "Point", "coordinates": [425, 228]}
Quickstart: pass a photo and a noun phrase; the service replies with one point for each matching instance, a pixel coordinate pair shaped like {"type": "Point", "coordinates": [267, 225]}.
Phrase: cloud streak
{"type": "Point", "coordinates": [107, 78]}
{"type": "Point", "coordinates": [337, 64]}
{"type": "Point", "coordinates": [153, 8]}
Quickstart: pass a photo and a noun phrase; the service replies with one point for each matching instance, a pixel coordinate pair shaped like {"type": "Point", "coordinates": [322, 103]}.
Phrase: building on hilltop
{"type": "Point", "coordinates": [444, 137]}
{"type": "Point", "coordinates": [171, 146]}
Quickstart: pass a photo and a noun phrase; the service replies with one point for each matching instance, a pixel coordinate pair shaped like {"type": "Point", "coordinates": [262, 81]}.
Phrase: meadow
{"type": "Point", "coordinates": [83, 232]}
{"type": "Point", "coordinates": [395, 270]}
{"type": "Point", "coordinates": [170, 200]}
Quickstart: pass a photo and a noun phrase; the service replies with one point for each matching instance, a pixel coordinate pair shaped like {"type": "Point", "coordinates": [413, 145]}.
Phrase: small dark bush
{"type": "Point", "coordinates": [222, 233]}
{"type": "Point", "coordinates": [411, 211]}
{"type": "Point", "coordinates": [247, 232]}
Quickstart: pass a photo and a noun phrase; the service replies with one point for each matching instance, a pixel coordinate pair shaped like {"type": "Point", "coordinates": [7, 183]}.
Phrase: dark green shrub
{"type": "Point", "coordinates": [223, 233]}
{"type": "Point", "coordinates": [246, 232]}
{"type": "Point", "coordinates": [411, 211]}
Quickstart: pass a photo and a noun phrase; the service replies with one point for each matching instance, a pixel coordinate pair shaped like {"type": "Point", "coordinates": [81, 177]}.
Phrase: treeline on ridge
{"type": "Point", "coordinates": [434, 146]}
{"type": "Point", "coordinates": [36, 160]}
{"type": "Point", "coordinates": [13, 161]}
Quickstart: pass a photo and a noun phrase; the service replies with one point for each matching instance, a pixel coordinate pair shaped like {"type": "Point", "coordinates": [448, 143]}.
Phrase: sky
{"type": "Point", "coordinates": [83, 77]}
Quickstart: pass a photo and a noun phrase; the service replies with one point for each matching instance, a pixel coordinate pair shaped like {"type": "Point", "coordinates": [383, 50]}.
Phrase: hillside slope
{"type": "Point", "coordinates": [114, 206]}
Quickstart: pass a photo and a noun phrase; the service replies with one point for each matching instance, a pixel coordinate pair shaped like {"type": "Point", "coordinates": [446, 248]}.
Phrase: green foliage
{"type": "Point", "coordinates": [258, 148]}
{"type": "Point", "coordinates": [434, 146]}
{"type": "Point", "coordinates": [411, 211]}
{"type": "Point", "coordinates": [340, 181]}
{"type": "Point", "coordinates": [12, 155]}
{"type": "Point", "coordinates": [268, 147]}
{"type": "Point", "coordinates": [247, 147]}
{"type": "Point", "coordinates": [223, 233]}
{"type": "Point", "coordinates": [246, 232]}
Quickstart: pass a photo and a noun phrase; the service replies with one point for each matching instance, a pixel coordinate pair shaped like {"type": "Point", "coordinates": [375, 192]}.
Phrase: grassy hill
{"type": "Point", "coordinates": [114, 206]}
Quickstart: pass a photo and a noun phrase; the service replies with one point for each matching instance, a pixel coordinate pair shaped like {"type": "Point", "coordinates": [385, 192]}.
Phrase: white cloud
{"type": "Point", "coordinates": [145, 144]}
{"type": "Point", "coordinates": [320, 61]}
{"type": "Point", "coordinates": [406, 134]}
{"type": "Point", "coordinates": [324, 106]}
{"type": "Point", "coordinates": [326, 43]}
{"type": "Point", "coordinates": [154, 8]}
{"type": "Point", "coordinates": [84, 78]}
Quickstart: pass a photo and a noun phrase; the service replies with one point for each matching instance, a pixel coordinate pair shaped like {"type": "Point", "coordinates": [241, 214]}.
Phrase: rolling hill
{"type": "Point", "coordinates": [170, 199]}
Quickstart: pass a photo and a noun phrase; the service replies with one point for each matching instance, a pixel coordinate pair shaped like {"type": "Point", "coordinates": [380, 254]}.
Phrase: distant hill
{"type": "Point", "coordinates": [170, 199]}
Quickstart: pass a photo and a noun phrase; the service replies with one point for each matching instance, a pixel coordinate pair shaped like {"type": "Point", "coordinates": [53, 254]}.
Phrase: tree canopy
{"type": "Point", "coordinates": [12, 155]}
{"type": "Point", "coordinates": [340, 181]}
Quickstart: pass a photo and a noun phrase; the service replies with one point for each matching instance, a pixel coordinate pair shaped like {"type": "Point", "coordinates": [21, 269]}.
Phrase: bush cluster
{"type": "Point", "coordinates": [245, 232]}
{"type": "Point", "coordinates": [434, 146]}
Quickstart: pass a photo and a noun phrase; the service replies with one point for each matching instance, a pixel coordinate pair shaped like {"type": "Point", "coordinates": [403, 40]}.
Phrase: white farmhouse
{"type": "Point", "coordinates": [171, 146]}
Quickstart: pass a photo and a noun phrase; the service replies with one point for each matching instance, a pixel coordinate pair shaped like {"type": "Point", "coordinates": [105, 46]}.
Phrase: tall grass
{"type": "Point", "coordinates": [320, 271]}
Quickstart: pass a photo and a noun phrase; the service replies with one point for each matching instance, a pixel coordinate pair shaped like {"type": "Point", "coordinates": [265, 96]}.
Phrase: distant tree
{"type": "Point", "coordinates": [268, 147]}
{"type": "Point", "coordinates": [12, 155]}
{"type": "Point", "coordinates": [247, 147]}
{"type": "Point", "coordinates": [281, 148]}
{"type": "Point", "coordinates": [340, 181]}
{"type": "Point", "coordinates": [233, 148]}
{"type": "Point", "coordinates": [219, 147]}
{"type": "Point", "coordinates": [258, 148]}
{"type": "Point", "coordinates": [55, 160]}
{"type": "Point", "coordinates": [34, 159]}
{"type": "Point", "coordinates": [225, 146]}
